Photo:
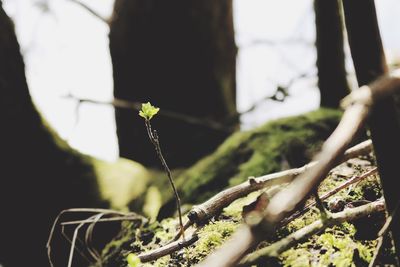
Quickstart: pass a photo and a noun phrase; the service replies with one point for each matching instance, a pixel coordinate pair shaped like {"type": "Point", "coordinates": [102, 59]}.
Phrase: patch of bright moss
{"type": "Point", "coordinates": [335, 247]}
{"type": "Point", "coordinates": [211, 236]}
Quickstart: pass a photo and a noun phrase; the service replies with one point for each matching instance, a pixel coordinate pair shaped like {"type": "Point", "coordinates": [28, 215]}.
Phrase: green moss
{"type": "Point", "coordinates": [335, 247]}
{"type": "Point", "coordinates": [211, 236]}
{"type": "Point", "coordinates": [279, 144]}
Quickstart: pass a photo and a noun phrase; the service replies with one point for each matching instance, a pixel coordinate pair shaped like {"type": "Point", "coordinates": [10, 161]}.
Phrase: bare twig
{"type": "Point", "coordinates": [280, 94]}
{"type": "Point", "coordinates": [283, 42]}
{"type": "Point", "coordinates": [125, 104]}
{"type": "Point", "coordinates": [91, 11]}
{"type": "Point", "coordinates": [335, 218]}
{"type": "Point", "coordinates": [286, 201]}
{"type": "Point", "coordinates": [168, 249]}
{"type": "Point", "coordinates": [155, 141]}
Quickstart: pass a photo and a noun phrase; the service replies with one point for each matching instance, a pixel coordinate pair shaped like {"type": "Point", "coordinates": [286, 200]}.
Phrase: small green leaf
{"type": "Point", "coordinates": [133, 260]}
{"type": "Point", "coordinates": [148, 111]}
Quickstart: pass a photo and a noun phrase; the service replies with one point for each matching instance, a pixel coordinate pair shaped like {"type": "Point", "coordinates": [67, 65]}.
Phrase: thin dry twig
{"type": "Point", "coordinates": [125, 104]}
{"type": "Point", "coordinates": [91, 11]}
{"type": "Point", "coordinates": [168, 249]}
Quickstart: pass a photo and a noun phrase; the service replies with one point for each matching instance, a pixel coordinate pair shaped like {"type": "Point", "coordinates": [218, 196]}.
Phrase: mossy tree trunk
{"type": "Point", "coordinates": [40, 175]}
{"type": "Point", "coordinates": [180, 55]}
{"type": "Point", "coordinates": [332, 81]}
{"type": "Point", "coordinates": [370, 63]}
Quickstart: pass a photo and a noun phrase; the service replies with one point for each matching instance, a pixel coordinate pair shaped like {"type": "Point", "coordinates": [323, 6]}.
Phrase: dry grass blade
{"type": "Point", "coordinates": [76, 247]}
{"type": "Point", "coordinates": [88, 238]}
{"type": "Point", "coordinates": [75, 210]}
{"type": "Point", "coordinates": [74, 238]}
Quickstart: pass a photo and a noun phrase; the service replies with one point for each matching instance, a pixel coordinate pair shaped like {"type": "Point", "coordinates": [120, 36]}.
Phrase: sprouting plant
{"type": "Point", "coordinates": [148, 112]}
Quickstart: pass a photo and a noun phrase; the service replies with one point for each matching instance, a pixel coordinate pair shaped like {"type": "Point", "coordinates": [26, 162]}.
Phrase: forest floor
{"type": "Point", "coordinates": [347, 244]}
{"type": "Point", "coordinates": [286, 143]}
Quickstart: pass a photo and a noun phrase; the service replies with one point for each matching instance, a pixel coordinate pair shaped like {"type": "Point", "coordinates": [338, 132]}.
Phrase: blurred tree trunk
{"type": "Point", "coordinates": [370, 63]}
{"type": "Point", "coordinates": [40, 175]}
{"type": "Point", "coordinates": [332, 80]}
{"type": "Point", "coordinates": [180, 55]}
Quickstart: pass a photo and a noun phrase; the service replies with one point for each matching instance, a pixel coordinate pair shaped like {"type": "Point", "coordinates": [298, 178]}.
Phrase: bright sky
{"type": "Point", "coordinates": [66, 51]}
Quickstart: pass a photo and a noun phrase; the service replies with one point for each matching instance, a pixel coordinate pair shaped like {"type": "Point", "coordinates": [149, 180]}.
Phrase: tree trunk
{"type": "Point", "coordinates": [370, 63]}
{"type": "Point", "coordinates": [40, 174]}
{"type": "Point", "coordinates": [179, 55]}
{"type": "Point", "coordinates": [332, 81]}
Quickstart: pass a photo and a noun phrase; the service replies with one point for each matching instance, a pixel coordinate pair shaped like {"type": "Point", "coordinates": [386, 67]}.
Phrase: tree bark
{"type": "Point", "coordinates": [370, 63]}
{"type": "Point", "coordinates": [40, 174]}
{"type": "Point", "coordinates": [180, 55]}
{"type": "Point", "coordinates": [332, 81]}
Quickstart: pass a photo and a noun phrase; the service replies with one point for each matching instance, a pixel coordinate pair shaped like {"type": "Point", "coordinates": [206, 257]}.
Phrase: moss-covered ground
{"type": "Point", "coordinates": [348, 244]}
{"type": "Point", "coordinates": [275, 146]}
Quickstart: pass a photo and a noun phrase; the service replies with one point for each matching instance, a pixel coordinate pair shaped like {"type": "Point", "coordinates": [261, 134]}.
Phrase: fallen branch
{"type": "Point", "coordinates": [168, 249]}
{"type": "Point", "coordinates": [210, 208]}
{"type": "Point", "coordinates": [335, 218]}
{"type": "Point", "coordinates": [358, 105]}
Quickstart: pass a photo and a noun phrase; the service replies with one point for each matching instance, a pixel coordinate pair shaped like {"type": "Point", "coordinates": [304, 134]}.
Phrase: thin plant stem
{"type": "Point", "coordinates": [155, 141]}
